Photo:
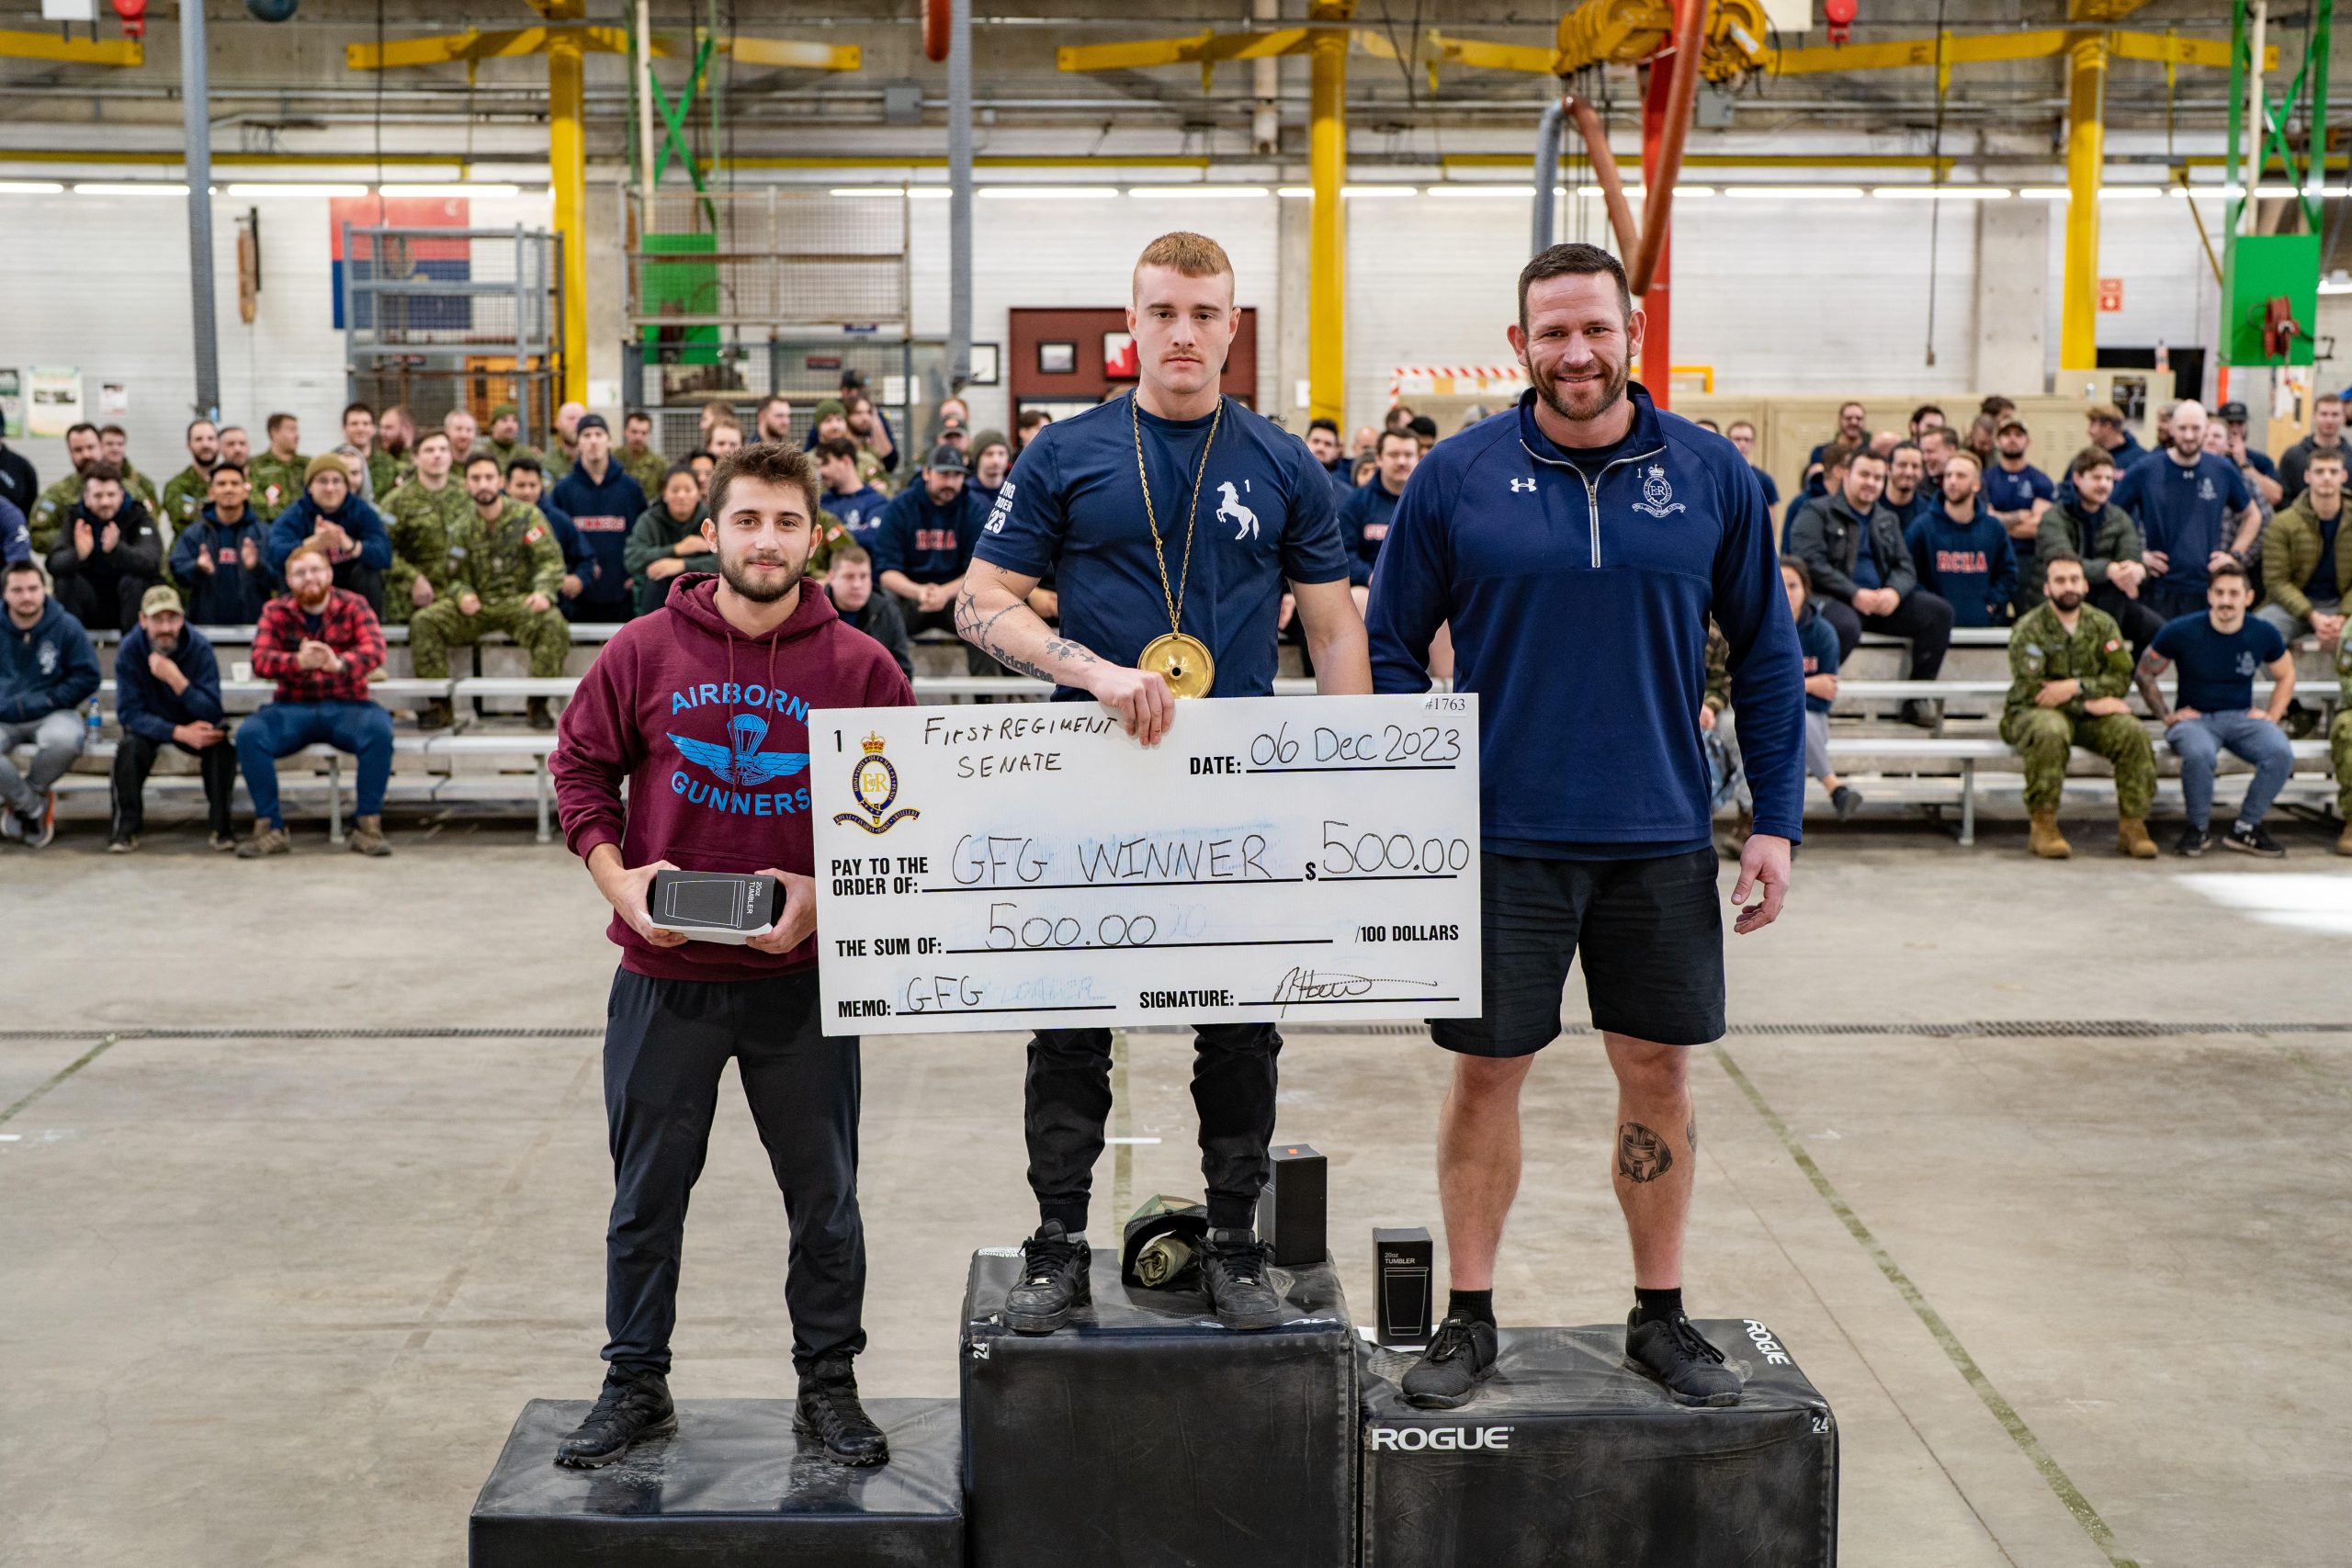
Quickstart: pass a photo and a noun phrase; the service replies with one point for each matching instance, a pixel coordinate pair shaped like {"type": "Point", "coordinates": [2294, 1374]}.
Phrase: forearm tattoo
{"type": "Point", "coordinates": [1642, 1155]}
{"type": "Point", "coordinates": [980, 631]}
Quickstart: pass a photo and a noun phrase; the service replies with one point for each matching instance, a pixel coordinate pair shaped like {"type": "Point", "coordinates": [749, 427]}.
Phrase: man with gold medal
{"type": "Point", "coordinates": [1172, 520]}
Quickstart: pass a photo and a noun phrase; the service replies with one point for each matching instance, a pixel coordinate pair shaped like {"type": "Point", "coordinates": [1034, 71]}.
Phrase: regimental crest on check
{"type": "Point", "coordinates": [1657, 494]}
{"type": "Point", "coordinates": [876, 783]}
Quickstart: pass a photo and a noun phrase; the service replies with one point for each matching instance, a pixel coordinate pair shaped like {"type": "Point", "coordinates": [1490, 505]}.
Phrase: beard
{"type": "Point", "coordinates": [2069, 602]}
{"type": "Point", "coordinates": [759, 591]}
{"type": "Point", "coordinates": [1594, 404]}
{"type": "Point", "coordinates": [312, 601]}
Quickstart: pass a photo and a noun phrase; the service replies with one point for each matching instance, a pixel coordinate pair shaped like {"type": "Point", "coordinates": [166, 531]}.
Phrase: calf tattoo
{"type": "Point", "coordinates": [1642, 1155]}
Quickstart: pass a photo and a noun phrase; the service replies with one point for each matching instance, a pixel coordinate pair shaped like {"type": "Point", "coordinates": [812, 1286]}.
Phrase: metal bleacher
{"type": "Point", "coordinates": [490, 761]}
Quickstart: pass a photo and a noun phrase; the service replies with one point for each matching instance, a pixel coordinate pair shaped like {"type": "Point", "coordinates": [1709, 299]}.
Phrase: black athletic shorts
{"type": "Point", "coordinates": [1652, 935]}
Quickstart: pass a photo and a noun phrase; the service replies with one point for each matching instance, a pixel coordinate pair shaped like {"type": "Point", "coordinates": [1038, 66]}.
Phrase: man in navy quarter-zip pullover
{"type": "Point", "coordinates": [1578, 544]}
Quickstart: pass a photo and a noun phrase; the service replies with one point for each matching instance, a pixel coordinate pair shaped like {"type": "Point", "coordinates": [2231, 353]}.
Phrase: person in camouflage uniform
{"type": "Point", "coordinates": [564, 450]}
{"type": "Point", "coordinates": [424, 519]}
{"type": "Point", "coordinates": [832, 420]}
{"type": "Point", "coordinates": [505, 441]}
{"type": "Point", "coordinates": [2043, 719]}
{"type": "Point", "coordinates": [507, 576]}
{"type": "Point", "coordinates": [637, 457]}
{"type": "Point", "coordinates": [278, 474]}
{"type": "Point", "coordinates": [187, 492]}
{"type": "Point", "coordinates": [57, 503]}
{"type": "Point", "coordinates": [114, 446]}
{"type": "Point", "coordinates": [2339, 742]}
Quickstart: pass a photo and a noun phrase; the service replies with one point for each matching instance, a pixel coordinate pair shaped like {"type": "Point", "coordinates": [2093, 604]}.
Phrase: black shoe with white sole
{"type": "Point", "coordinates": [633, 1405]}
{"type": "Point", "coordinates": [2251, 838]}
{"type": "Point", "coordinates": [1053, 1281]}
{"type": "Point", "coordinates": [2193, 841]}
{"type": "Point", "coordinates": [1673, 1351]}
{"type": "Point", "coordinates": [1460, 1359]}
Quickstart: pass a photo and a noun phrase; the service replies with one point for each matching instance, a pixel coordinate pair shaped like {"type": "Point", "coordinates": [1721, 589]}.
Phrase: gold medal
{"type": "Point", "coordinates": [1182, 660]}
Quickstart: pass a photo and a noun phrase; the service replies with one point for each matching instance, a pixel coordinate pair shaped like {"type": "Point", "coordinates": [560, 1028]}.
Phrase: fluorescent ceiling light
{"type": "Point", "coordinates": [1942, 193]}
{"type": "Point", "coordinates": [31, 187]}
{"type": "Point", "coordinates": [2105, 193]}
{"type": "Point", "coordinates": [1192, 193]}
{"type": "Point", "coordinates": [2272, 192]}
{"type": "Point", "coordinates": [1353, 192]}
{"type": "Point", "coordinates": [1296, 193]}
{"type": "Point", "coordinates": [489, 188]}
{"type": "Point", "coordinates": [129, 188]}
{"type": "Point", "coordinates": [1796, 193]}
{"type": "Point", "coordinates": [294, 188]}
{"type": "Point", "coordinates": [1518, 193]}
{"type": "Point", "coordinates": [1050, 193]}
{"type": "Point", "coordinates": [918, 192]}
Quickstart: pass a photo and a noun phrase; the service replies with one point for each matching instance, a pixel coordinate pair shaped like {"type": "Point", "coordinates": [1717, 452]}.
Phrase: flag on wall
{"type": "Point", "coordinates": [448, 260]}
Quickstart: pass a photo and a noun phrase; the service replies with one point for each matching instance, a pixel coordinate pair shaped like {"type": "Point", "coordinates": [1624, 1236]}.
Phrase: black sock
{"type": "Point", "coordinates": [1657, 1306]}
{"type": "Point", "coordinates": [1477, 1306]}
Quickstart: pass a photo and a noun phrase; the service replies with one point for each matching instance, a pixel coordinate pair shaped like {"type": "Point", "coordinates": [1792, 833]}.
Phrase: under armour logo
{"type": "Point", "coordinates": [1528, 485]}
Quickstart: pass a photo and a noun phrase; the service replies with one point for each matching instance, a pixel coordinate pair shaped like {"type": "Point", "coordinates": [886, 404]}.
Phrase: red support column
{"type": "Point", "coordinates": [1658, 303]}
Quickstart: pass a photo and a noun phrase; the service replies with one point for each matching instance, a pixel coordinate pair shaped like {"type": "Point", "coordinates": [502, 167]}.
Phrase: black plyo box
{"type": "Point", "coordinates": [1145, 1435]}
{"type": "Point", "coordinates": [1568, 1459]}
{"type": "Point", "coordinates": [734, 1488]}
{"type": "Point", "coordinates": [1291, 1207]}
{"type": "Point", "coordinates": [1404, 1270]}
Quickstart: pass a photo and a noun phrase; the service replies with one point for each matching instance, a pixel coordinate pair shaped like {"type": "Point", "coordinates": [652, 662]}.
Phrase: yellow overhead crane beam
{"type": "Point", "coordinates": [565, 43]}
{"type": "Point", "coordinates": [62, 50]}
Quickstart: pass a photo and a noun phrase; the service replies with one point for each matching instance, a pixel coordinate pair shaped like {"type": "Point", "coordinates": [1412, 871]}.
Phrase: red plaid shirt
{"type": "Point", "coordinates": [347, 625]}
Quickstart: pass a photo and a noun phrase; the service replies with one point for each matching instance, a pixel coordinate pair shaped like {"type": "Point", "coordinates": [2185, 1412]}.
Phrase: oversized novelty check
{"type": "Point", "coordinates": [1030, 866]}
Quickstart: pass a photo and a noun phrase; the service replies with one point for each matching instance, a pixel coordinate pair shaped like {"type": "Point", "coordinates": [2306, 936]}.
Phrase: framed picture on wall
{"type": "Point", "coordinates": [1056, 358]}
{"type": "Point", "coordinates": [1119, 359]}
{"type": "Point", "coordinates": [986, 364]}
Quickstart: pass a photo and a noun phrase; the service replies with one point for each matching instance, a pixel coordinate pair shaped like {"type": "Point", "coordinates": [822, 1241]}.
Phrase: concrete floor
{"type": "Point", "coordinates": [273, 1300]}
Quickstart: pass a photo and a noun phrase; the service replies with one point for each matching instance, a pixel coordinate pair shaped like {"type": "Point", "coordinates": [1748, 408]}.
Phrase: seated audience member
{"type": "Point", "coordinates": [725, 436]}
{"type": "Point", "coordinates": [507, 578]}
{"type": "Point", "coordinates": [426, 515]}
{"type": "Point", "coordinates": [2106, 540]}
{"type": "Point", "coordinates": [1908, 494]}
{"type": "Point", "coordinates": [849, 584]}
{"type": "Point", "coordinates": [56, 503]}
{"type": "Point", "coordinates": [108, 554]}
{"type": "Point", "coordinates": [605, 503]}
{"type": "Point", "coordinates": [637, 455]}
{"type": "Point", "coordinates": [713, 412]}
{"type": "Point", "coordinates": [848, 495]}
{"type": "Point", "coordinates": [2340, 744]}
{"type": "Point", "coordinates": [925, 542]}
{"type": "Point", "coordinates": [701, 463]}
{"type": "Point", "coordinates": [1741, 434]}
{"type": "Point", "coordinates": [2069, 670]}
{"type": "Point", "coordinates": [2261, 473]}
{"type": "Point", "coordinates": [870, 428]}
{"type": "Point", "coordinates": [1819, 645]}
{"type": "Point", "coordinates": [955, 424]}
{"type": "Point", "coordinates": [2219, 652]}
{"type": "Point", "coordinates": [1323, 440]}
{"type": "Point", "coordinates": [114, 446]}
{"type": "Point", "coordinates": [1961, 553]}
{"type": "Point", "coordinates": [278, 475]}
{"type": "Point", "coordinates": [1981, 439]}
{"type": "Point", "coordinates": [185, 492]}
{"type": "Point", "coordinates": [2216, 444]}
{"type": "Point", "coordinates": [16, 534]}
{"type": "Point", "coordinates": [464, 432]}
{"type": "Point", "coordinates": [219, 556]}
{"type": "Point", "coordinates": [168, 693]}
{"type": "Point", "coordinates": [772, 420]}
{"type": "Point", "coordinates": [564, 449]}
{"type": "Point", "coordinates": [2016, 493]}
{"type": "Point", "coordinates": [2306, 565]}
{"type": "Point", "coordinates": [379, 471]}
{"type": "Point", "coordinates": [1924, 418]}
{"type": "Point", "coordinates": [19, 481]}
{"type": "Point", "coordinates": [667, 539]}
{"type": "Point", "coordinates": [1853, 430]}
{"type": "Point", "coordinates": [319, 643]}
{"type": "Point", "coordinates": [2327, 436]}
{"type": "Point", "coordinates": [48, 670]}
{"type": "Point", "coordinates": [526, 482]}
{"type": "Point", "coordinates": [505, 442]}
{"type": "Point", "coordinates": [2103, 428]}
{"type": "Point", "coordinates": [1365, 444]}
{"type": "Point", "coordinates": [1862, 575]}
{"type": "Point", "coordinates": [396, 439]}
{"type": "Point", "coordinates": [353, 534]}
{"type": "Point", "coordinates": [1365, 513]}
{"type": "Point", "coordinates": [1424, 431]}
{"type": "Point", "coordinates": [991, 461]}
{"type": "Point", "coordinates": [1025, 427]}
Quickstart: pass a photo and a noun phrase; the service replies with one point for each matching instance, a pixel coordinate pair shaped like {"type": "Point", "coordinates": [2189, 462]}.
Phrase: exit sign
{"type": "Point", "coordinates": [2110, 294]}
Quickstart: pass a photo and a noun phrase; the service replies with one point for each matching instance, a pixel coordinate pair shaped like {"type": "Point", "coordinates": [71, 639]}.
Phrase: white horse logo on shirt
{"type": "Point", "coordinates": [1231, 510]}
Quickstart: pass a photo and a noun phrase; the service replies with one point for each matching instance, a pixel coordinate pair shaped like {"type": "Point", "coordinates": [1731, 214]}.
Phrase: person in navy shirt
{"type": "Point", "coordinates": [1961, 554]}
{"type": "Point", "coordinates": [2016, 491]}
{"type": "Point", "coordinates": [605, 503]}
{"type": "Point", "coordinates": [1578, 544]}
{"type": "Point", "coordinates": [1323, 441]}
{"type": "Point", "coordinates": [219, 556]}
{"type": "Point", "coordinates": [1363, 516]}
{"type": "Point", "coordinates": [923, 542]}
{"type": "Point", "coordinates": [1741, 435]}
{"type": "Point", "coordinates": [2219, 653]}
{"type": "Point", "coordinates": [1239, 506]}
{"type": "Point", "coordinates": [1818, 642]}
{"type": "Point", "coordinates": [2194, 511]}
{"type": "Point", "coordinates": [847, 495]}
{"type": "Point", "coordinates": [168, 693]}
{"type": "Point", "coordinates": [1908, 494]}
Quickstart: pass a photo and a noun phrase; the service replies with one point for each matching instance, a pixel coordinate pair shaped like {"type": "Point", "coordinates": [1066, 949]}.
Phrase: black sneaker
{"type": "Point", "coordinates": [1457, 1361]}
{"type": "Point", "coordinates": [633, 1404]}
{"type": "Point", "coordinates": [1848, 800]}
{"type": "Point", "coordinates": [829, 1412]}
{"type": "Point", "coordinates": [1673, 1351]}
{"type": "Point", "coordinates": [1920, 714]}
{"type": "Point", "coordinates": [2253, 839]}
{"type": "Point", "coordinates": [2193, 841]}
{"type": "Point", "coordinates": [1053, 1281]}
{"type": "Point", "coordinates": [1233, 1271]}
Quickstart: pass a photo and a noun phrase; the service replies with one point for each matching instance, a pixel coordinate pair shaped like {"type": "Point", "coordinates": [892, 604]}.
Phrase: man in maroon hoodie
{"type": "Point", "coordinates": [730, 665]}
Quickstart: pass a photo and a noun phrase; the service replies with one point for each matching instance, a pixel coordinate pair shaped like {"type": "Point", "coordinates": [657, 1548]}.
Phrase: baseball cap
{"type": "Point", "coordinates": [946, 459]}
{"type": "Point", "coordinates": [590, 422]}
{"type": "Point", "coordinates": [2233, 412]}
{"type": "Point", "coordinates": [2011, 423]}
{"type": "Point", "coordinates": [161, 600]}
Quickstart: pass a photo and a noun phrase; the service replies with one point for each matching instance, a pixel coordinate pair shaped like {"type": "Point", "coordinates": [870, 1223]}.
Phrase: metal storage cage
{"type": "Point", "coordinates": [436, 319]}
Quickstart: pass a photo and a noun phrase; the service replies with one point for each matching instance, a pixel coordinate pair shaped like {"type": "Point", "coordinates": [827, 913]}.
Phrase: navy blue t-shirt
{"type": "Point", "coordinates": [2186, 512]}
{"type": "Point", "coordinates": [2217, 671]}
{"type": "Point", "coordinates": [930, 544]}
{"type": "Point", "coordinates": [1818, 641]}
{"type": "Point", "coordinates": [2007, 491]}
{"type": "Point", "coordinates": [1073, 507]}
{"type": "Point", "coordinates": [1363, 525]}
{"type": "Point", "coordinates": [1771, 489]}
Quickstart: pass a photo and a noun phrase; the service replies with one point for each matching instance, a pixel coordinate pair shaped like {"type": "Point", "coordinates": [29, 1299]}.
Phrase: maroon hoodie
{"type": "Point", "coordinates": [710, 728]}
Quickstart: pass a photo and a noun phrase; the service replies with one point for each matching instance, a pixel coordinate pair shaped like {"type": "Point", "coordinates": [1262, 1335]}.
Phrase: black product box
{"type": "Point", "coordinates": [1404, 1264]}
{"type": "Point", "coordinates": [1565, 1458]}
{"type": "Point", "coordinates": [733, 1488]}
{"type": "Point", "coordinates": [1291, 1207]}
{"type": "Point", "coordinates": [1146, 1435]}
